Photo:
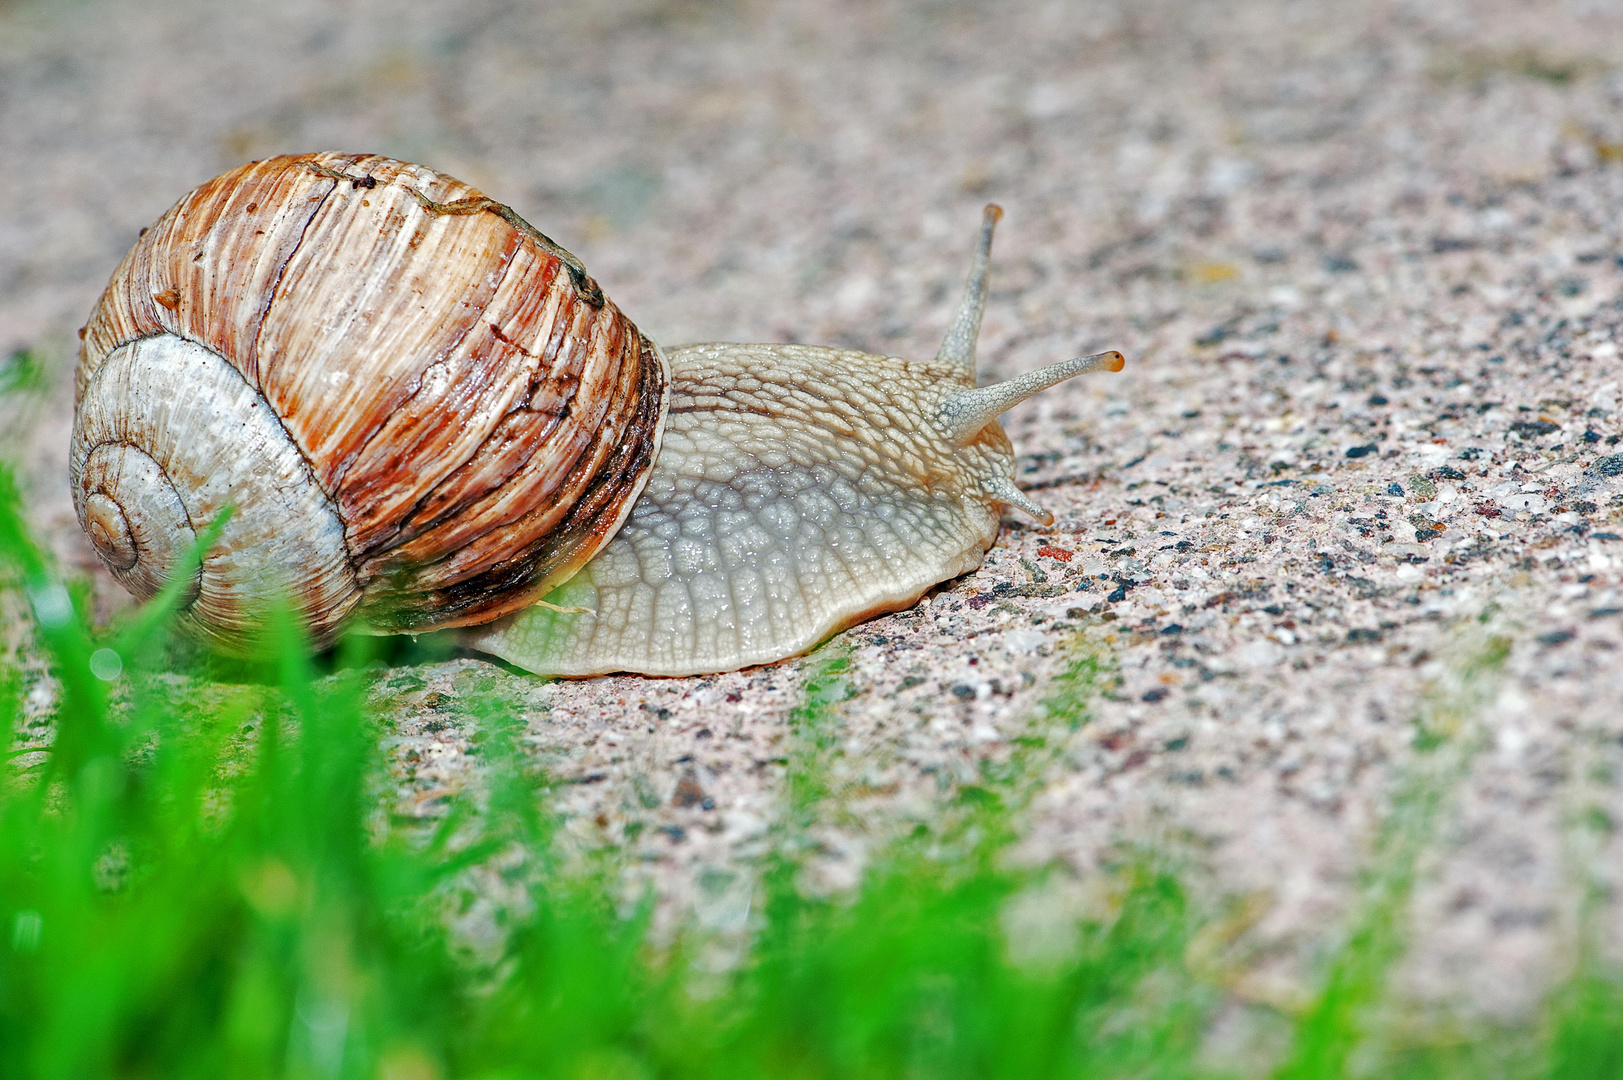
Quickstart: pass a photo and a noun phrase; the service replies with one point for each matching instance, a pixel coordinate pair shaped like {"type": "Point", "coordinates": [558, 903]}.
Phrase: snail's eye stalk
{"type": "Point", "coordinates": [959, 347]}
{"type": "Point", "coordinates": [964, 413]}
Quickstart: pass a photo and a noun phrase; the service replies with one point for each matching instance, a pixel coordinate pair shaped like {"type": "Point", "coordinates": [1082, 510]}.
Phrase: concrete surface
{"type": "Point", "coordinates": [1363, 258]}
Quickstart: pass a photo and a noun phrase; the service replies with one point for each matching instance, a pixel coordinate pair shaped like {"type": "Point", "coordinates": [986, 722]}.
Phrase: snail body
{"type": "Point", "coordinates": [426, 414]}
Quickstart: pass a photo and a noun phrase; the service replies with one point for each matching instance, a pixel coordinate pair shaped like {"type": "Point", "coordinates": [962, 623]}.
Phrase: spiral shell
{"type": "Point", "coordinates": [423, 411]}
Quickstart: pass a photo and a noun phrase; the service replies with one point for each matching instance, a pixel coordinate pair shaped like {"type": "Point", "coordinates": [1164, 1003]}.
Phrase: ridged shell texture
{"type": "Point", "coordinates": [474, 414]}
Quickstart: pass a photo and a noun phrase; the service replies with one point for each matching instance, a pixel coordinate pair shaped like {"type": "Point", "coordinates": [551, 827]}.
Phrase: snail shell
{"type": "Point", "coordinates": [423, 411]}
{"type": "Point", "coordinates": [426, 414]}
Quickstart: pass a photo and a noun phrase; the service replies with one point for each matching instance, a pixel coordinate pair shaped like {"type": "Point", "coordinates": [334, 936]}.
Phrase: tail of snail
{"type": "Point", "coordinates": [426, 414]}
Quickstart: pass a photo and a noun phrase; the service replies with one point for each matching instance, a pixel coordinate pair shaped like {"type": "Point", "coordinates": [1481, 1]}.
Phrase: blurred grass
{"type": "Point", "coordinates": [22, 371]}
{"type": "Point", "coordinates": [210, 885]}
{"type": "Point", "coordinates": [1338, 1023]}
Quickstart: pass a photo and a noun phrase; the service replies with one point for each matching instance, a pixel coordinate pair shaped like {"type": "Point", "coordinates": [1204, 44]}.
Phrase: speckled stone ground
{"type": "Point", "coordinates": [1364, 261]}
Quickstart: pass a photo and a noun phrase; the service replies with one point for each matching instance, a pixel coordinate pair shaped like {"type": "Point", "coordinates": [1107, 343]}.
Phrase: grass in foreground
{"type": "Point", "coordinates": [192, 889]}
{"type": "Point", "coordinates": [197, 889]}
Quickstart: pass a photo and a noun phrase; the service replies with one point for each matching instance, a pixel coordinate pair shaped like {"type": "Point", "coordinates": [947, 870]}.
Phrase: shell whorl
{"type": "Point", "coordinates": [167, 435]}
{"type": "Point", "coordinates": [467, 405]}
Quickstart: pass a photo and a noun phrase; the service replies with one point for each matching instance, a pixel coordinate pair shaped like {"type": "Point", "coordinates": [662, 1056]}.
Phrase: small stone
{"type": "Point", "coordinates": [688, 792]}
{"type": "Point", "coordinates": [1024, 641]}
{"type": "Point", "coordinates": [1525, 502]}
{"type": "Point", "coordinates": [1610, 465]}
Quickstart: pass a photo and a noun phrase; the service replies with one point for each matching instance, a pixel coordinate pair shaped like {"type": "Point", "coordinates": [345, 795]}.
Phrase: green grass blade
{"type": "Point", "coordinates": [152, 623]}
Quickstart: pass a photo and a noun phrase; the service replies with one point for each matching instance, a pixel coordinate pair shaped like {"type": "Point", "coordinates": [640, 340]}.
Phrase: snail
{"type": "Point", "coordinates": [424, 414]}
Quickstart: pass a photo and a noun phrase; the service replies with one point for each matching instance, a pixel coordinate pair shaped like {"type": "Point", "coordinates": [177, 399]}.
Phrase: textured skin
{"type": "Point", "coordinates": [800, 490]}
{"type": "Point", "coordinates": [477, 415]}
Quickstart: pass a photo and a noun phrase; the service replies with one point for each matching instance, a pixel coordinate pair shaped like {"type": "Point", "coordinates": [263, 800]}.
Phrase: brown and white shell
{"type": "Point", "coordinates": [423, 412]}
